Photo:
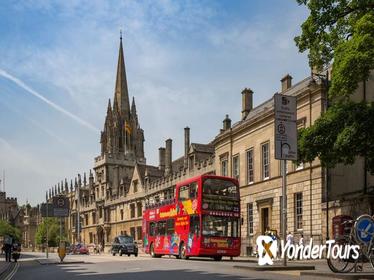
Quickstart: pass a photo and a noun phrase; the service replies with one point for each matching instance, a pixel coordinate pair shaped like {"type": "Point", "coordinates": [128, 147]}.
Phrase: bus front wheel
{"type": "Point", "coordinates": [152, 251]}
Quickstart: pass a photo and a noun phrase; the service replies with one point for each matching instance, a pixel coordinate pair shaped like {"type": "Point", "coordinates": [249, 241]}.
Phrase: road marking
{"type": "Point", "coordinates": [12, 272]}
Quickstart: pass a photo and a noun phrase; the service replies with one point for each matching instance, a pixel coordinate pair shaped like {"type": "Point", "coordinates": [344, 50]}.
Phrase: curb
{"type": "Point", "coordinates": [56, 262]}
{"type": "Point", "coordinates": [276, 267]}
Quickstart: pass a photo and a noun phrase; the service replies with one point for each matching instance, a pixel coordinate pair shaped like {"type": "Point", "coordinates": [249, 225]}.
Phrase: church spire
{"type": "Point", "coordinates": [121, 95]}
{"type": "Point", "coordinates": [133, 106]}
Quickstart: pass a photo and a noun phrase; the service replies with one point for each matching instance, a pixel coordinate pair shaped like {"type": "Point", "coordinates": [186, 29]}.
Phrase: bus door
{"type": "Point", "coordinates": [193, 242]}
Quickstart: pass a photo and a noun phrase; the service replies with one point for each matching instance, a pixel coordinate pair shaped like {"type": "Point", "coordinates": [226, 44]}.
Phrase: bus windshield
{"type": "Point", "coordinates": [220, 226]}
{"type": "Point", "coordinates": [219, 187]}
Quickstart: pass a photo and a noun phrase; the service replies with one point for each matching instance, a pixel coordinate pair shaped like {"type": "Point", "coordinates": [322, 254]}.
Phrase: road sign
{"type": "Point", "coordinates": [44, 211]}
{"type": "Point", "coordinates": [285, 140]}
{"type": "Point", "coordinates": [365, 228]}
{"type": "Point", "coordinates": [285, 107]}
{"type": "Point", "coordinates": [60, 206]}
{"type": "Point", "coordinates": [285, 127]}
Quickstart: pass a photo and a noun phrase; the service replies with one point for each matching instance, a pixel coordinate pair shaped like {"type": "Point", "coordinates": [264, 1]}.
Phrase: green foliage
{"type": "Point", "coordinates": [53, 232]}
{"type": "Point", "coordinates": [344, 132]}
{"type": "Point", "coordinates": [342, 32]}
{"type": "Point", "coordinates": [7, 229]}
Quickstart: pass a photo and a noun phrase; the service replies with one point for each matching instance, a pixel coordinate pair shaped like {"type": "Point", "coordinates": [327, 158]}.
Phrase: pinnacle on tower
{"type": "Point", "coordinates": [133, 106]}
{"type": "Point", "coordinates": [121, 95]}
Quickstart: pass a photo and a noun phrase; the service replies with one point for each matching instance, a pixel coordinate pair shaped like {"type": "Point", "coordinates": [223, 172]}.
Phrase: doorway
{"type": "Point", "coordinates": [264, 219]}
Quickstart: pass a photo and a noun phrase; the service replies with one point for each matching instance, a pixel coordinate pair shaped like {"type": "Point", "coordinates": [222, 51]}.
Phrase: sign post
{"type": "Point", "coordinates": [285, 146]}
{"type": "Point", "coordinates": [46, 210]}
{"type": "Point", "coordinates": [61, 209]}
{"type": "Point", "coordinates": [58, 208]}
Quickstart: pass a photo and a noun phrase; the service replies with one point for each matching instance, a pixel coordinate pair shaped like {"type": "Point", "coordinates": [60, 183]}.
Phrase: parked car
{"type": "Point", "coordinates": [79, 248]}
{"type": "Point", "coordinates": [124, 244]}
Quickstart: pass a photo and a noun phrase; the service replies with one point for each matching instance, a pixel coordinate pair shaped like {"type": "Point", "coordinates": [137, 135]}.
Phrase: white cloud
{"type": "Point", "coordinates": [21, 84]}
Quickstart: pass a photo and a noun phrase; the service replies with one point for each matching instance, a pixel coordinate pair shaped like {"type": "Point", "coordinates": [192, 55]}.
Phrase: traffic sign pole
{"type": "Point", "coordinates": [285, 138]}
{"type": "Point", "coordinates": [284, 206]}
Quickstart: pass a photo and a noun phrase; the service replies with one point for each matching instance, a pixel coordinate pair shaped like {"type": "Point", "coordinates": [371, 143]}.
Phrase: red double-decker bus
{"type": "Point", "coordinates": [202, 220]}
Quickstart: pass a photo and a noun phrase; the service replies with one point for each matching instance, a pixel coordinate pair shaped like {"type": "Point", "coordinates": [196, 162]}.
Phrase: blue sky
{"type": "Point", "coordinates": [186, 62]}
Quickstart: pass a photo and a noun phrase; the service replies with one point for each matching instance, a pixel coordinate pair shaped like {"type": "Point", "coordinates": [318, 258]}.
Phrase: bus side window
{"type": "Point", "coordinates": [161, 227]}
{"type": "Point", "coordinates": [152, 229]}
{"type": "Point", "coordinates": [193, 190]}
{"type": "Point", "coordinates": [170, 227]}
{"type": "Point", "coordinates": [183, 193]}
{"type": "Point", "coordinates": [195, 225]}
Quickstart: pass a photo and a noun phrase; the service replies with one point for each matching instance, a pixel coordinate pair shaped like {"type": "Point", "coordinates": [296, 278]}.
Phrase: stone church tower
{"type": "Point", "coordinates": [122, 133]}
{"type": "Point", "coordinates": [122, 141]}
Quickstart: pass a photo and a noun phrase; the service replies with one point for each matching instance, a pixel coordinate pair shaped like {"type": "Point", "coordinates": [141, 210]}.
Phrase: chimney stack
{"type": "Point", "coordinates": [286, 82]}
{"type": "Point", "coordinates": [161, 155]}
{"type": "Point", "coordinates": [226, 123]}
{"type": "Point", "coordinates": [186, 145]}
{"type": "Point", "coordinates": [247, 102]}
{"type": "Point", "coordinates": [168, 157]}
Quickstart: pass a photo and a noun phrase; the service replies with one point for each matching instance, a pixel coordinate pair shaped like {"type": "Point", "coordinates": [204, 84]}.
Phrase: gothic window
{"type": "Point", "coordinates": [132, 232]}
{"type": "Point", "coordinates": [132, 210]}
{"type": "Point", "coordinates": [135, 186]}
{"type": "Point", "coordinates": [139, 233]}
{"type": "Point", "coordinates": [139, 209]}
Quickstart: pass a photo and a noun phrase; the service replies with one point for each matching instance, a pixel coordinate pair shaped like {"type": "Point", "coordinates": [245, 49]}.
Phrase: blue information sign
{"type": "Point", "coordinates": [364, 229]}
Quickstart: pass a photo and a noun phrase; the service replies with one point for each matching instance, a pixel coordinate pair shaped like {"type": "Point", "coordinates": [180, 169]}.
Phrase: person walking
{"type": "Point", "coordinates": [289, 238]}
{"type": "Point", "coordinates": [8, 248]}
{"type": "Point", "coordinates": [301, 244]}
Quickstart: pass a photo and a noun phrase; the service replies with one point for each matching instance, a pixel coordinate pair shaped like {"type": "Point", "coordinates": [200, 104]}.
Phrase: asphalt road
{"type": "Point", "coordinates": [142, 267]}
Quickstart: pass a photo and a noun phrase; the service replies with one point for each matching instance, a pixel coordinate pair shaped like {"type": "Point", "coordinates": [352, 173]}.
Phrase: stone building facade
{"type": "Point", "coordinates": [26, 218]}
{"type": "Point", "coordinates": [110, 200]}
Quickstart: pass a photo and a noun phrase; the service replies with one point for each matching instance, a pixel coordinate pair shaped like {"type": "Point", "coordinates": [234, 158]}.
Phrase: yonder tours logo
{"type": "Point", "coordinates": [268, 249]}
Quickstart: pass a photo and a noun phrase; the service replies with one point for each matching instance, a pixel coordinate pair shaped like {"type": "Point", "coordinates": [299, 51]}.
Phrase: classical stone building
{"type": "Point", "coordinates": [8, 208]}
{"type": "Point", "coordinates": [26, 218]}
{"type": "Point", "coordinates": [111, 200]}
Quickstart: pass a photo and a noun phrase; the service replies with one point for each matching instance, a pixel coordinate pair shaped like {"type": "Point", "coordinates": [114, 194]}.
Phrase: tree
{"type": "Point", "coordinates": [340, 33]}
{"type": "Point", "coordinates": [8, 229]}
{"type": "Point", "coordinates": [344, 132]}
{"type": "Point", "coordinates": [53, 232]}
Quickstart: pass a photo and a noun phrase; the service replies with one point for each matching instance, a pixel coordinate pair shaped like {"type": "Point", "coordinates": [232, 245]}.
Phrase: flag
{"type": "Point", "coordinates": [127, 128]}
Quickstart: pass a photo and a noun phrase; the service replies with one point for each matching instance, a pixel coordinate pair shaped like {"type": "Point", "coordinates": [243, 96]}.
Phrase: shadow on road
{"type": "Point", "coordinates": [56, 272]}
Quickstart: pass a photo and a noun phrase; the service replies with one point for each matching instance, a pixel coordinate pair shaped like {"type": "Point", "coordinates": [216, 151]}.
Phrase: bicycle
{"type": "Point", "coordinates": [361, 234]}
